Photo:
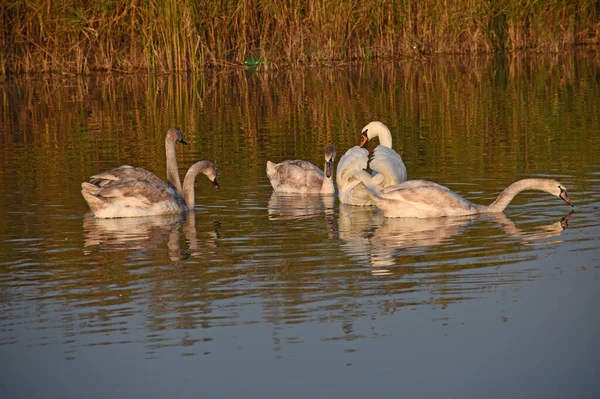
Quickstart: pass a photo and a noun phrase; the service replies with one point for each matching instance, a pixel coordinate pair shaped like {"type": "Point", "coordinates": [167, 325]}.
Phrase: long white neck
{"type": "Point", "coordinates": [511, 191]}
{"type": "Point", "coordinates": [385, 136]}
{"type": "Point", "coordinates": [172, 169]}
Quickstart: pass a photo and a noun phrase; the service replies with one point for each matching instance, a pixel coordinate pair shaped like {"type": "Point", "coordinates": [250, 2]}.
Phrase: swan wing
{"type": "Point", "coordinates": [413, 184]}
{"type": "Point", "coordinates": [419, 191]}
{"type": "Point", "coordinates": [355, 159]}
{"type": "Point", "coordinates": [130, 198]}
{"type": "Point", "coordinates": [295, 176]}
{"type": "Point", "coordinates": [419, 198]}
{"type": "Point", "coordinates": [351, 190]}
{"type": "Point", "coordinates": [389, 167]}
{"type": "Point", "coordinates": [141, 190]}
{"type": "Point", "coordinates": [125, 172]}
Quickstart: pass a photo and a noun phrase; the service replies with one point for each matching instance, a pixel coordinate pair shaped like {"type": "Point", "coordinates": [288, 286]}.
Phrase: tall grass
{"type": "Point", "coordinates": [78, 36]}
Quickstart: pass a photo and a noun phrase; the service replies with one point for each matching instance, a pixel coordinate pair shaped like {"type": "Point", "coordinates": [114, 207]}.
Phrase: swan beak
{"type": "Point", "coordinates": [363, 139]}
{"type": "Point", "coordinates": [182, 141]}
{"type": "Point", "coordinates": [563, 195]}
{"type": "Point", "coordinates": [216, 184]}
{"type": "Point", "coordinates": [329, 168]}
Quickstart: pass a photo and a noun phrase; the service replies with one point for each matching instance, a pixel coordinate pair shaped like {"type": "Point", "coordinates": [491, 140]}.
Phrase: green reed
{"type": "Point", "coordinates": [78, 36]}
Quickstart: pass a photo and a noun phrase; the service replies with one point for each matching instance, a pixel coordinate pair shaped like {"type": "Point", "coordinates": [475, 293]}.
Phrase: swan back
{"type": "Point", "coordinates": [422, 199]}
{"type": "Point", "coordinates": [131, 198]}
{"type": "Point", "coordinates": [302, 177]}
{"type": "Point", "coordinates": [127, 172]}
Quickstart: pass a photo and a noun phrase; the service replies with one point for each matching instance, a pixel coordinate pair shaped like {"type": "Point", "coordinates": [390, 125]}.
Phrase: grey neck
{"type": "Point", "coordinates": [188, 192]}
{"type": "Point", "coordinates": [172, 169]}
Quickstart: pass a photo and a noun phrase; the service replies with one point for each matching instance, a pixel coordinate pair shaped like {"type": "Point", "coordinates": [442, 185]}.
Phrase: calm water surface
{"type": "Point", "coordinates": [256, 295]}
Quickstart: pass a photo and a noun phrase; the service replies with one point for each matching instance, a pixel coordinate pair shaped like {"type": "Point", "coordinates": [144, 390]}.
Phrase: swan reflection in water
{"type": "Point", "coordinates": [299, 207]}
{"type": "Point", "coordinates": [533, 236]}
{"type": "Point", "coordinates": [123, 234]}
{"type": "Point", "coordinates": [375, 240]}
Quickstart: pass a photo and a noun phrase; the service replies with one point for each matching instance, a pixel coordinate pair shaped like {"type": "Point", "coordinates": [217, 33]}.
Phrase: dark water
{"type": "Point", "coordinates": [254, 295]}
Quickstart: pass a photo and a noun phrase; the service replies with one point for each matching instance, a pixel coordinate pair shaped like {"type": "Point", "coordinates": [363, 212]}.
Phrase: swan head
{"type": "Point", "coordinates": [550, 186]}
{"type": "Point", "coordinates": [210, 170]}
{"type": "Point", "coordinates": [372, 130]}
{"type": "Point", "coordinates": [212, 173]}
{"type": "Point", "coordinates": [330, 152]}
{"type": "Point", "coordinates": [175, 134]}
{"type": "Point", "coordinates": [563, 194]}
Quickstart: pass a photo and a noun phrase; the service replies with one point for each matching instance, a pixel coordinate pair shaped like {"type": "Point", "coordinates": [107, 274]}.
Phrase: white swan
{"type": "Point", "coordinates": [388, 168]}
{"type": "Point", "coordinates": [303, 177]}
{"type": "Point", "coordinates": [134, 198]}
{"type": "Point", "coordinates": [127, 172]}
{"type": "Point", "coordinates": [423, 199]}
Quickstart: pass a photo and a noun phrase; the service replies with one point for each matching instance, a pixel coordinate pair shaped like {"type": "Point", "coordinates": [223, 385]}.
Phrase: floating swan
{"type": "Point", "coordinates": [134, 198]}
{"type": "Point", "coordinates": [388, 168]}
{"type": "Point", "coordinates": [423, 199]}
{"type": "Point", "coordinates": [303, 177]}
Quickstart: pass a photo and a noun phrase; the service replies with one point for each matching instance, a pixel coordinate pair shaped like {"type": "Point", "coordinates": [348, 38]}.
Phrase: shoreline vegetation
{"type": "Point", "coordinates": [163, 36]}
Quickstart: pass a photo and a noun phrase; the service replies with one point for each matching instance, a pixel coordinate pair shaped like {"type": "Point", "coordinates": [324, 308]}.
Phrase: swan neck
{"type": "Point", "coordinates": [327, 187]}
{"type": "Point", "coordinates": [506, 196]}
{"type": "Point", "coordinates": [172, 169]}
{"type": "Point", "coordinates": [385, 138]}
{"type": "Point", "coordinates": [188, 193]}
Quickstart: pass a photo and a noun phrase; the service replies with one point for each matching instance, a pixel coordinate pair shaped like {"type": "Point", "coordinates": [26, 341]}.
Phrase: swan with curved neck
{"type": "Point", "coordinates": [303, 177]}
{"type": "Point", "coordinates": [126, 172]}
{"type": "Point", "coordinates": [423, 199]}
{"type": "Point", "coordinates": [386, 164]}
{"type": "Point", "coordinates": [135, 198]}
{"type": "Point", "coordinates": [208, 169]}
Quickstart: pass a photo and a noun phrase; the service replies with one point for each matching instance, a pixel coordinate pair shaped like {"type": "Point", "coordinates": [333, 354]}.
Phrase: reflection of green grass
{"type": "Point", "coordinates": [492, 118]}
{"type": "Point", "coordinates": [174, 35]}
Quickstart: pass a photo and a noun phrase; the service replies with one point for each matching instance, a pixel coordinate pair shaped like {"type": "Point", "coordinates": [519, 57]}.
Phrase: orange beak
{"type": "Point", "coordinates": [363, 140]}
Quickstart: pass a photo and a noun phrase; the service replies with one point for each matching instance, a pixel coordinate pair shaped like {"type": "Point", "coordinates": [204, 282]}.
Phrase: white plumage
{"type": "Point", "coordinates": [386, 164]}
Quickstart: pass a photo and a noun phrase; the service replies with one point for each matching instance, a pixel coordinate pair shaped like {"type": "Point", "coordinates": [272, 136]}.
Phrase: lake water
{"type": "Point", "coordinates": [253, 295]}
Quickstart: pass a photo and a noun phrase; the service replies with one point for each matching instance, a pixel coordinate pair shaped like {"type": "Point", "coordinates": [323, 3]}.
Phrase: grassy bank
{"type": "Point", "coordinates": [79, 36]}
